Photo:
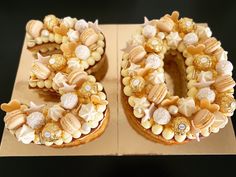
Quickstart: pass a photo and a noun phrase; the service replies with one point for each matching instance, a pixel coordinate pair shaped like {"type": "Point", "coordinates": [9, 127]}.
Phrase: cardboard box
{"type": "Point", "coordinates": [119, 137]}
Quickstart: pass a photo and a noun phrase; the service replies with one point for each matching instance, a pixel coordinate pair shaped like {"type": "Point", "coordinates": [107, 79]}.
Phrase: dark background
{"type": "Point", "coordinates": [220, 15]}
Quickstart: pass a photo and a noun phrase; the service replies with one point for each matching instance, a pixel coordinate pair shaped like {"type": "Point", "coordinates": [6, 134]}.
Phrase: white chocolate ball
{"type": "Point", "coordinates": [82, 52]}
{"type": "Point", "coordinates": [35, 120]}
{"type": "Point", "coordinates": [69, 100]}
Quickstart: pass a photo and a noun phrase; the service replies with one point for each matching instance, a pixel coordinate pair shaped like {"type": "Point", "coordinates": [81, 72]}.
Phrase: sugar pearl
{"type": "Point", "coordinates": [173, 109]}
{"type": "Point", "coordinates": [38, 40]}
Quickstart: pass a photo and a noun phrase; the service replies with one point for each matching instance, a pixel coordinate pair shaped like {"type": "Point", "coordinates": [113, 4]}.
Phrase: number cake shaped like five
{"type": "Point", "coordinates": [177, 82]}
{"type": "Point", "coordinates": [69, 58]}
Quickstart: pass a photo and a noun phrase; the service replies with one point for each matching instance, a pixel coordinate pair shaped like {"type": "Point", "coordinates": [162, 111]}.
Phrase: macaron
{"type": "Point", "coordinates": [77, 77]}
{"type": "Point", "coordinates": [137, 54]}
{"type": "Point", "coordinates": [14, 119]}
{"type": "Point", "coordinates": [70, 123]}
{"type": "Point", "coordinates": [88, 37]}
{"type": "Point", "coordinates": [203, 119]}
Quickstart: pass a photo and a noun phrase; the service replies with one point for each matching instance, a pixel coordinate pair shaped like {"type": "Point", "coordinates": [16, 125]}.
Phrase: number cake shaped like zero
{"type": "Point", "coordinates": [68, 51]}
{"type": "Point", "coordinates": [177, 82]}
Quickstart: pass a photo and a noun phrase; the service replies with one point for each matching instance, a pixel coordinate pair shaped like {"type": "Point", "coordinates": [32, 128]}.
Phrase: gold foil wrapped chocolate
{"type": "Point", "coordinates": [154, 45]}
{"type": "Point", "coordinates": [137, 83]}
{"type": "Point", "coordinates": [226, 102]}
{"type": "Point", "coordinates": [202, 62]}
{"type": "Point", "coordinates": [57, 62]}
{"type": "Point", "coordinates": [180, 125]}
{"type": "Point", "coordinates": [51, 132]}
{"type": "Point", "coordinates": [186, 25]}
{"type": "Point", "coordinates": [88, 88]}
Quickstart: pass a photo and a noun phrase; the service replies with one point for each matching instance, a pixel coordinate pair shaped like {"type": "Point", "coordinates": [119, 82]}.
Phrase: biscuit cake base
{"type": "Point", "coordinates": [99, 69]}
{"type": "Point", "coordinates": [95, 133]}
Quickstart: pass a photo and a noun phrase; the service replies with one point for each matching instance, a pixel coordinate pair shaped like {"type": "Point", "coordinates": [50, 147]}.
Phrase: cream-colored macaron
{"type": "Point", "coordinates": [77, 77]}
{"type": "Point", "coordinates": [70, 123]}
{"type": "Point", "coordinates": [40, 70]}
{"type": "Point", "coordinates": [14, 119]}
{"type": "Point", "coordinates": [137, 54]}
{"type": "Point", "coordinates": [88, 37]}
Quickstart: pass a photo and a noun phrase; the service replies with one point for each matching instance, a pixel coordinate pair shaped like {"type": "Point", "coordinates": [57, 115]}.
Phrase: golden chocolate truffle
{"type": "Point", "coordinates": [88, 88]}
{"type": "Point", "coordinates": [57, 62]}
{"type": "Point", "coordinates": [180, 125]}
{"type": "Point", "coordinates": [226, 102]}
{"type": "Point", "coordinates": [186, 25]}
{"type": "Point", "coordinates": [51, 132]}
{"type": "Point", "coordinates": [137, 83]}
{"type": "Point", "coordinates": [202, 62]}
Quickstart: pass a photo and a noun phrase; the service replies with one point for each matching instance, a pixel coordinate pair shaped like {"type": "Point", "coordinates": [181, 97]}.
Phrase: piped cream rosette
{"type": "Point", "coordinates": [79, 40]}
{"type": "Point", "coordinates": [204, 102]}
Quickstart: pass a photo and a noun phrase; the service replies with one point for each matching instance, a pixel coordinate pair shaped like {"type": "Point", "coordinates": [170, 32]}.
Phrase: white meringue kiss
{"type": "Point", "coordinates": [25, 134]}
{"type": "Point", "coordinates": [149, 31]}
{"type": "Point", "coordinates": [224, 67]}
{"type": "Point", "coordinates": [73, 35]}
{"type": "Point", "coordinates": [68, 22]}
{"type": "Point", "coordinates": [81, 25]}
{"type": "Point", "coordinates": [190, 38]}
